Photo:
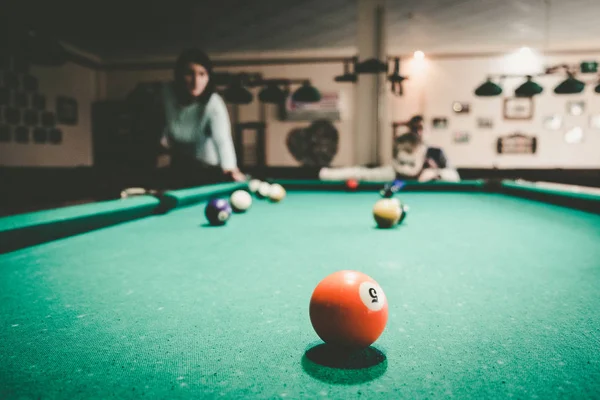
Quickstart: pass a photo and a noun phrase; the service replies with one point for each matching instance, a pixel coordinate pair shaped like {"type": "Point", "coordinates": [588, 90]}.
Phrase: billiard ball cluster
{"type": "Point", "coordinates": [219, 211]}
{"type": "Point", "coordinates": [265, 190]}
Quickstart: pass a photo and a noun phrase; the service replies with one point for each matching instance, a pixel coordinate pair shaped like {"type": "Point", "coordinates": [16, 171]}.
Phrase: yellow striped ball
{"type": "Point", "coordinates": [387, 213]}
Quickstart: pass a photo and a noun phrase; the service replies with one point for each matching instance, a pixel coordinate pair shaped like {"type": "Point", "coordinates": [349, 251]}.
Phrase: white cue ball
{"type": "Point", "coordinates": [263, 190]}
{"type": "Point", "coordinates": [240, 201]}
{"type": "Point", "coordinates": [277, 193]}
{"type": "Point", "coordinates": [253, 185]}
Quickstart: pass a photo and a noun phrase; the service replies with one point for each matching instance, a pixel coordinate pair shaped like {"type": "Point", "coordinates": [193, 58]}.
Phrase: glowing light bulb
{"type": "Point", "coordinates": [525, 51]}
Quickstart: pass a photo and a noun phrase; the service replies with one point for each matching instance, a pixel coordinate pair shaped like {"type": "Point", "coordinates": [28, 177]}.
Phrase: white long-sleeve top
{"type": "Point", "coordinates": [200, 131]}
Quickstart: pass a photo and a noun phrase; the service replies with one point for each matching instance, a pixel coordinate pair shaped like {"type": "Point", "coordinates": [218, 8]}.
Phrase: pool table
{"type": "Point", "coordinates": [493, 291]}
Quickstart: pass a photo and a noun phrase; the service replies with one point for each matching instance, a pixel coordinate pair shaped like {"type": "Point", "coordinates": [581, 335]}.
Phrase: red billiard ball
{"type": "Point", "coordinates": [351, 184]}
{"type": "Point", "coordinates": [348, 309]}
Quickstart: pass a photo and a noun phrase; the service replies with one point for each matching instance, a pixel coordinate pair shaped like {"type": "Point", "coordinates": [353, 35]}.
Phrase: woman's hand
{"type": "Point", "coordinates": [429, 174]}
{"type": "Point", "coordinates": [431, 163]}
{"type": "Point", "coordinates": [164, 142]}
{"type": "Point", "coordinates": [235, 175]}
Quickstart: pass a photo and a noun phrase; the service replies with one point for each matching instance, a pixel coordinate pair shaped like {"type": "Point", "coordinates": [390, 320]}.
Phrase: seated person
{"type": "Point", "coordinates": [413, 160]}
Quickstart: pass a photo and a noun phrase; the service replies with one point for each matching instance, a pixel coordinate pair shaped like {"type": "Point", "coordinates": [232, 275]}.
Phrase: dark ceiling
{"type": "Point", "coordinates": [129, 29]}
{"type": "Point", "coordinates": [133, 28]}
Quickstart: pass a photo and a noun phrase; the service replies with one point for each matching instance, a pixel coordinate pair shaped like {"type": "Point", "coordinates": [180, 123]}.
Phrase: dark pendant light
{"type": "Point", "coordinates": [570, 86]}
{"type": "Point", "coordinates": [237, 94]}
{"type": "Point", "coordinates": [528, 89]}
{"type": "Point", "coordinates": [488, 89]}
{"type": "Point", "coordinates": [588, 67]}
{"type": "Point", "coordinates": [307, 94]}
{"type": "Point", "coordinates": [271, 94]}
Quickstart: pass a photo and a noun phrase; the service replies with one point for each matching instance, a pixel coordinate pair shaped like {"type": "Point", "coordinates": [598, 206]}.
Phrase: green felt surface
{"type": "Point", "coordinates": [58, 215]}
{"type": "Point", "coordinates": [530, 186]}
{"type": "Point", "coordinates": [467, 185]}
{"type": "Point", "coordinates": [186, 197]}
{"type": "Point", "coordinates": [27, 229]}
{"type": "Point", "coordinates": [490, 296]}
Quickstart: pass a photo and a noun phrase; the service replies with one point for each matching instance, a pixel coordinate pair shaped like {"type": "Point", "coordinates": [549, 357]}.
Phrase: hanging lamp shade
{"type": "Point", "coordinates": [371, 66]}
{"type": "Point", "coordinates": [570, 86]}
{"type": "Point", "coordinates": [271, 94]}
{"type": "Point", "coordinates": [237, 94]}
{"type": "Point", "coordinates": [306, 94]}
{"type": "Point", "coordinates": [488, 89]}
{"type": "Point", "coordinates": [588, 67]}
{"type": "Point", "coordinates": [528, 89]}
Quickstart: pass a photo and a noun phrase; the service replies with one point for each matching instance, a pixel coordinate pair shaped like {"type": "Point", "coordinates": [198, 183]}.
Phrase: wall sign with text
{"type": "Point", "coordinates": [327, 108]}
{"type": "Point", "coordinates": [518, 108]}
{"type": "Point", "coordinates": [516, 143]}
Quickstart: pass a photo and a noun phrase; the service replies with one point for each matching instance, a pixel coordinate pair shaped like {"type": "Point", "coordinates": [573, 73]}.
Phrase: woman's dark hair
{"type": "Point", "coordinates": [193, 56]}
{"type": "Point", "coordinates": [414, 122]}
{"type": "Point", "coordinates": [408, 138]}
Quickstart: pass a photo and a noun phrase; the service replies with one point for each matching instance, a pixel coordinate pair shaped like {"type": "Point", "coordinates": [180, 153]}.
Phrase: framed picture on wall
{"type": "Point", "coordinates": [440, 123]}
{"type": "Point", "coordinates": [461, 108]}
{"type": "Point", "coordinates": [485, 123]}
{"type": "Point", "coordinates": [595, 121]}
{"type": "Point", "coordinates": [518, 108]}
{"type": "Point", "coordinates": [553, 122]}
{"type": "Point", "coordinates": [516, 143]}
{"type": "Point", "coordinates": [5, 135]}
{"type": "Point", "coordinates": [327, 108]}
{"type": "Point", "coordinates": [576, 108]}
{"type": "Point", "coordinates": [574, 135]}
{"type": "Point", "coordinates": [462, 137]}
{"type": "Point", "coordinates": [66, 110]}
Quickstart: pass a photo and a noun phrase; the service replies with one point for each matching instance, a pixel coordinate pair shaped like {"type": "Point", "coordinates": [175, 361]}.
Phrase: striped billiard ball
{"type": "Point", "coordinates": [218, 212]}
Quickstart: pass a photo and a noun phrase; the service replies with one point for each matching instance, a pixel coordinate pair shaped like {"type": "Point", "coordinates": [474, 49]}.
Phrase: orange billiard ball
{"type": "Point", "coordinates": [348, 309]}
{"type": "Point", "coordinates": [351, 184]}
